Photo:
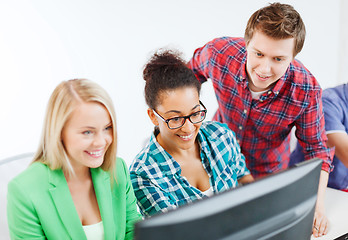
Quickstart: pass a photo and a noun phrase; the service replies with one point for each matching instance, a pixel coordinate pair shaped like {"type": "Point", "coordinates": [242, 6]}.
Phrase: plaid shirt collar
{"type": "Point", "coordinates": [166, 163]}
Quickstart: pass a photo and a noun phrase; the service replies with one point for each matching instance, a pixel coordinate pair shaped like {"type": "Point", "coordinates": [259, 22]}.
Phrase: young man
{"type": "Point", "coordinates": [263, 92]}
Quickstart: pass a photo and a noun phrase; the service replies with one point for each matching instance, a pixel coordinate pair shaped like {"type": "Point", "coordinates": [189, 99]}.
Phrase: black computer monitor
{"type": "Point", "coordinates": [279, 206]}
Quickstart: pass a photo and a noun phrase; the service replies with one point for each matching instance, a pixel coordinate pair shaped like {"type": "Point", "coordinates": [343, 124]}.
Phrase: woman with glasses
{"type": "Point", "coordinates": [185, 159]}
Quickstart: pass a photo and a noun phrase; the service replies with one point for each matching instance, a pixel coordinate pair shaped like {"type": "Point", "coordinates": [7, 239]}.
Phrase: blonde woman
{"type": "Point", "coordinates": [75, 188]}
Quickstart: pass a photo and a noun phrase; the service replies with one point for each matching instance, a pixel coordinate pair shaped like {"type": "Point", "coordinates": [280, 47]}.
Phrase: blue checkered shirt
{"type": "Point", "coordinates": [156, 176]}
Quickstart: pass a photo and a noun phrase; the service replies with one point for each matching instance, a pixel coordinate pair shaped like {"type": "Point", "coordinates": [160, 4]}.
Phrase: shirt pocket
{"type": "Point", "coordinates": [226, 179]}
{"type": "Point", "coordinates": [184, 201]}
{"type": "Point", "coordinates": [273, 123]}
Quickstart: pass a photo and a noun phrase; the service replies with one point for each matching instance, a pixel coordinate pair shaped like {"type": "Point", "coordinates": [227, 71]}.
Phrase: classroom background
{"type": "Point", "coordinates": [45, 42]}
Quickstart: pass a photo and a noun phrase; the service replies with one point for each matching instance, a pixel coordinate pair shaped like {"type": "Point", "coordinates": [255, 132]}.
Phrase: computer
{"type": "Point", "coordinates": [279, 206]}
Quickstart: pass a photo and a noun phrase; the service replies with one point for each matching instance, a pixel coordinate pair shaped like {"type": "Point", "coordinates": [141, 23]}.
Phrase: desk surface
{"type": "Point", "coordinates": [336, 203]}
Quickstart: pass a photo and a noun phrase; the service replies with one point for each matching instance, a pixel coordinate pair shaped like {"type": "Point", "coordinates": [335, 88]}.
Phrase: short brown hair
{"type": "Point", "coordinates": [278, 21]}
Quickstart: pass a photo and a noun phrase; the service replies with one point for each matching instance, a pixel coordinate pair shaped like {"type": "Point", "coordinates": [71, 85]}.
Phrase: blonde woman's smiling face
{"type": "Point", "coordinates": [87, 135]}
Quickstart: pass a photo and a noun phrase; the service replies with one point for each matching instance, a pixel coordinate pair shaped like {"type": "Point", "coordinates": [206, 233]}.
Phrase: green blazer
{"type": "Point", "coordinates": [40, 206]}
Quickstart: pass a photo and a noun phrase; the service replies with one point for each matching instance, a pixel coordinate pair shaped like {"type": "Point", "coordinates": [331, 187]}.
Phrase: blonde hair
{"type": "Point", "coordinates": [65, 97]}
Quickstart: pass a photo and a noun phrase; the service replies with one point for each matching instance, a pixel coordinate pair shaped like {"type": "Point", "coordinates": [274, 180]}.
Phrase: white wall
{"type": "Point", "coordinates": [43, 42]}
{"type": "Point", "coordinates": [343, 43]}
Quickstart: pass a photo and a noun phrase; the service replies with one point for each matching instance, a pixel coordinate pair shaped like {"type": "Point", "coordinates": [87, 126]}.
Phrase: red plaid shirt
{"type": "Point", "coordinates": [262, 126]}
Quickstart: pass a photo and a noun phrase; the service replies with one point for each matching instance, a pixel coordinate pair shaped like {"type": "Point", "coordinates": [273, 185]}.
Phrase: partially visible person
{"type": "Point", "coordinates": [335, 106]}
{"type": "Point", "coordinates": [185, 159]}
{"type": "Point", "coordinates": [263, 92]}
{"type": "Point", "coordinates": [75, 188]}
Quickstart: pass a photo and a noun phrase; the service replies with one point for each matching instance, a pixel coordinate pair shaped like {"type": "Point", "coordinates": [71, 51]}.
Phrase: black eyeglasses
{"type": "Point", "coordinates": [178, 122]}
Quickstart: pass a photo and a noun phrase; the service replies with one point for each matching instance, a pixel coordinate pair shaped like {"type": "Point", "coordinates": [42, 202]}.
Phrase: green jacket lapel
{"type": "Point", "coordinates": [102, 188]}
{"type": "Point", "coordinates": [64, 204]}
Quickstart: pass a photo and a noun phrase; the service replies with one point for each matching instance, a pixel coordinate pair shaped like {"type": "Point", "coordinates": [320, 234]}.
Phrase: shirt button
{"type": "Point", "coordinates": [245, 111]}
{"type": "Point", "coordinates": [240, 127]}
{"type": "Point", "coordinates": [261, 100]}
{"type": "Point", "coordinates": [269, 92]}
